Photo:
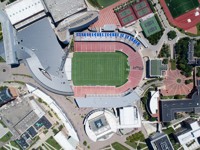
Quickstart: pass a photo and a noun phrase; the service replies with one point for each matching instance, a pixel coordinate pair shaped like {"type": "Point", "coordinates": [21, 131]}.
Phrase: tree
{"type": "Point", "coordinates": [171, 35]}
{"type": "Point", "coordinates": [85, 143]}
{"type": "Point", "coordinates": [198, 72]}
{"type": "Point", "coordinates": [165, 61]}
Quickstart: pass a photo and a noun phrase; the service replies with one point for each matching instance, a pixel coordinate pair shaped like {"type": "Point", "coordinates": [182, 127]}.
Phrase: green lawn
{"type": "Point", "coordinates": [132, 144]}
{"type": "Point", "coordinates": [118, 146]}
{"type": "Point", "coordinates": [109, 69]}
{"type": "Point", "coordinates": [173, 64]}
{"type": "Point", "coordinates": [102, 3]}
{"type": "Point", "coordinates": [13, 143]}
{"type": "Point", "coordinates": [168, 130]}
{"type": "Point", "coordinates": [6, 137]}
{"type": "Point", "coordinates": [179, 7]}
{"type": "Point", "coordinates": [53, 143]}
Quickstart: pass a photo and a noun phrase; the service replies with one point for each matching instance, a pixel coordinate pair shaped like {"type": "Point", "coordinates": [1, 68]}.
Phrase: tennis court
{"type": "Point", "coordinates": [140, 5]}
{"type": "Point", "coordinates": [179, 7]}
{"type": "Point", "coordinates": [126, 16]}
{"type": "Point", "coordinates": [99, 68]}
{"type": "Point", "coordinates": [128, 19]}
{"type": "Point", "coordinates": [125, 13]}
{"type": "Point", "coordinates": [150, 26]}
{"type": "Point", "coordinates": [141, 8]}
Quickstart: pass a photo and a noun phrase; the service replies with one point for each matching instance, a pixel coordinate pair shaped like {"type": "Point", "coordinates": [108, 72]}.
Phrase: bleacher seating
{"type": "Point", "coordinates": [108, 36]}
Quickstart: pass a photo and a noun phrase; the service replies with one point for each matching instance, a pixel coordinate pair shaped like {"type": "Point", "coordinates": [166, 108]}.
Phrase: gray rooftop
{"type": "Point", "coordinates": [19, 115]}
{"type": "Point", "coordinates": [9, 39]}
{"type": "Point", "coordinates": [61, 9]}
{"type": "Point", "coordinates": [108, 101]}
{"type": "Point", "coordinates": [37, 45]}
{"type": "Point", "coordinates": [168, 108]}
{"type": "Point", "coordinates": [46, 56]}
{"type": "Point", "coordinates": [160, 141]}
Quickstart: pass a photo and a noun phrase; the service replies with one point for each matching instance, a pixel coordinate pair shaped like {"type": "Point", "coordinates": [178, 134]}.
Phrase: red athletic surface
{"type": "Point", "coordinates": [134, 59]}
{"type": "Point", "coordinates": [107, 15]}
{"type": "Point", "coordinates": [181, 21]}
{"type": "Point", "coordinates": [172, 87]}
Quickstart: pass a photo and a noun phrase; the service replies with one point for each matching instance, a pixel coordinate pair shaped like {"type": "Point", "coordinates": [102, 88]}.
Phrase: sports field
{"type": "Point", "coordinates": [179, 7]}
{"type": "Point", "coordinates": [150, 26]}
{"type": "Point", "coordinates": [102, 3]}
{"type": "Point", "coordinates": [99, 68]}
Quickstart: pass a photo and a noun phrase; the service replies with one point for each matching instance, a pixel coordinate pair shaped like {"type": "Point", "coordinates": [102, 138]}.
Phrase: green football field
{"type": "Point", "coordinates": [102, 3]}
{"type": "Point", "coordinates": [106, 3]}
{"type": "Point", "coordinates": [179, 7]}
{"type": "Point", "coordinates": [109, 69]}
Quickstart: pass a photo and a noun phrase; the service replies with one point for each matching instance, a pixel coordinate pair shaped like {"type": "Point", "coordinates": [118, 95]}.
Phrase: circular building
{"type": "Point", "coordinates": [100, 125]}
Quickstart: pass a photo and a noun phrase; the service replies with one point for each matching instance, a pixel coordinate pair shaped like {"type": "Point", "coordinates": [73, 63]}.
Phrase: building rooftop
{"type": "Point", "coordinates": [160, 141]}
{"type": "Point", "coordinates": [168, 108]}
{"type": "Point", "coordinates": [25, 114]}
{"type": "Point", "coordinates": [61, 9]}
{"type": "Point", "coordinates": [189, 132]}
{"type": "Point", "coordinates": [156, 68]}
{"type": "Point", "coordinates": [129, 117]}
{"type": "Point", "coordinates": [48, 71]}
{"type": "Point", "coordinates": [22, 9]}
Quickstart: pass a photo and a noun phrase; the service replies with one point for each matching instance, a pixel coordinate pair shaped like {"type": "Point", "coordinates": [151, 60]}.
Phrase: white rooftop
{"type": "Point", "coordinates": [153, 105]}
{"type": "Point", "coordinates": [190, 135]}
{"type": "Point", "coordinates": [68, 68]}
{"type": "Point", "coordinates": [129, 118]}
{"type": "Point", "coordinates": [23, 9]}
{"type": "Point", "coordinates": [188, 20]}
{"type": "Point", "coordinates": [63, 141]}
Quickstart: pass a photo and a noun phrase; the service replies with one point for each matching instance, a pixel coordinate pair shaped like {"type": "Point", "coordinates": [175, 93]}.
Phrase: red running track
{"type": "Point", "coordinates": [181, 21]}
{"type": "Point", "coordinates": [135, 62]}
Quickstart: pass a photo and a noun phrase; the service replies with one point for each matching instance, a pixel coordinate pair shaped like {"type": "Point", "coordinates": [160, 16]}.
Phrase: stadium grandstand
{"type": "Point", "coordinates": [109, 42]}
{"type": "Point", "coordinates": [108, 36]}
{"type": "Point", "coordinates": [74, 23]}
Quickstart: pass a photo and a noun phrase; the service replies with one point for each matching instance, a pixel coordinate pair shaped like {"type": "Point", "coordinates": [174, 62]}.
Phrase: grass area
{"type": "Point", "coordinates": [173, 64]}
{"type": "Point", "coordinates": [168, 131]}
{"type": "Point", "coordinates": [109, 69]}
{"type": "Point", "coordinates": [13, 143]}
{"type": "Point", "coordinates": [1, 122]}
{"type": "Point", "coordinates": [179, 7]}
{"type": "Point", "coordinates": [102, 3]}
{"type": "Point", "coordinates": [1, 59]}
{"type": "Point", "coordinates": [132, 144]}
{"type": "Point", "coordinates": [198, 28]}
{"type": "Point", "coordinates": [1, 33]}
{"type": "Point", "coordinates": [23, 75]}
{"type": "Point", "coordinates": [133, 139]}
{"type": "Point", "coordinates": [53, 143]}
{"type": "Point", "coordinates": [18, 82]}
{"type": "Point", "coordinates": [118, 146]}
{"type": "Point", "coordinates": [6, 137]}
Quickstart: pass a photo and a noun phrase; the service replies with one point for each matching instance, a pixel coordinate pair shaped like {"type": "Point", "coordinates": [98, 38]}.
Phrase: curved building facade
{"type": "Point", "coordinates": [77, 22]}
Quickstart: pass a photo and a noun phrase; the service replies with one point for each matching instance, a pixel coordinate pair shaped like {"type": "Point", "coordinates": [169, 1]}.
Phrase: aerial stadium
{"type": "Point", "coordinates": [103, 67]}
